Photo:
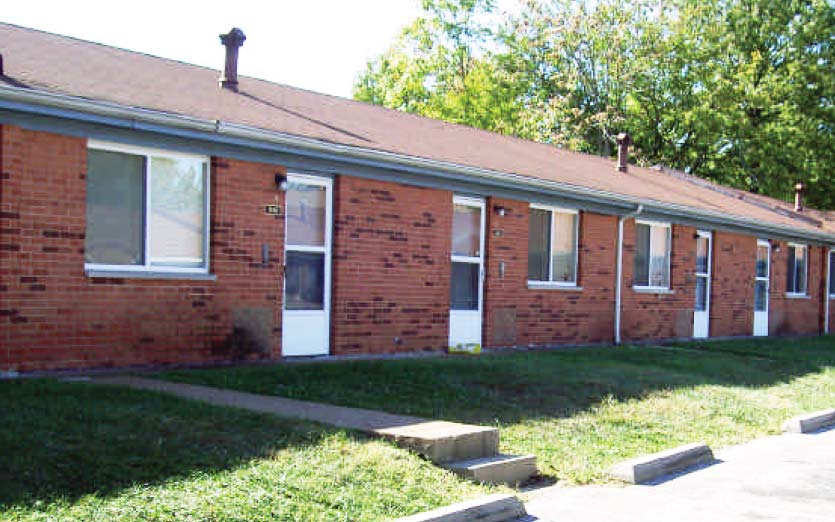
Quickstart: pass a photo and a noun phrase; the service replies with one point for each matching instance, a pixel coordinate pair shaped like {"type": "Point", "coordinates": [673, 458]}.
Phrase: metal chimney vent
{"type": "Point", "coordinates": [233, 40]}
{"type": "Point", "coordinates": [624, 140]}
{"type": "Point", "coordinates": [799, 189]}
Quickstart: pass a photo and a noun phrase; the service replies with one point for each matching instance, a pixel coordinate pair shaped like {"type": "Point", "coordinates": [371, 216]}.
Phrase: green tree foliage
{"type": "Point", "coordinates": [739, 91]}
{"type": "Point", "coordinates": [763, 116]}
{"type": "Point", "coordinates": [439, 67]}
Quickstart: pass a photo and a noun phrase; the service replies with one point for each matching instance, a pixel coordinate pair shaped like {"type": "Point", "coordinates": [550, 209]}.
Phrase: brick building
{"type": "Point", "coordinates": [150, 214]}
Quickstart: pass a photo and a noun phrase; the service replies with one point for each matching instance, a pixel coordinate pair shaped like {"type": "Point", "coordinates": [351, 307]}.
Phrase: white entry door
{"type": "Point", "coordinates": [307, 266]}
{"type": "Point", "coordinates": [465, 310]}
{"type": "Point", "coordinates": [761, 286]}
{"type": "Point", "coordinates": [701, 310]}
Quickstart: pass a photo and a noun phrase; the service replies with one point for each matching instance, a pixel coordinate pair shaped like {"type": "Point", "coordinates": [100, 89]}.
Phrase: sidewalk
{"type": "Point", "coordinates": [787, 478]}
{"type": "Point", "coordinates": [368, 421]}
{"type": "Point", "coordinates": [469, 450]}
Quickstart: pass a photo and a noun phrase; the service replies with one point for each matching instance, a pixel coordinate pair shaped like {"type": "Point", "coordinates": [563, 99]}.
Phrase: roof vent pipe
{"type": "Point", "coordinates": [232, 41]}
{"type": "Point", "coordinates": [624, 140]}
{"type": "Point", "coordinates": [799, 189]}
{"type": "Point", "coordinates": [1, 65]}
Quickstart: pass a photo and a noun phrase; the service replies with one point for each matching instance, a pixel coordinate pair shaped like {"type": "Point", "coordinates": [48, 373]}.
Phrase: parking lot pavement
{"type": "Point", "coordinates": [787, 478]}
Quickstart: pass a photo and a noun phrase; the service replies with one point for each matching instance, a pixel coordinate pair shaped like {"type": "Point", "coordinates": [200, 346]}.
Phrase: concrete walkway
{"type": "Point", "coordinates": [469, 450]}
{"type": "Point", "coordinates": [367, 421]}
{"type": "Point", "coordinates": [786, 478]}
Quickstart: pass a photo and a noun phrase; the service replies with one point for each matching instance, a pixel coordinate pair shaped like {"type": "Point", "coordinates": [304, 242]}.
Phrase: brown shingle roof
{"type": "Point", "coordinates": [58, 64]}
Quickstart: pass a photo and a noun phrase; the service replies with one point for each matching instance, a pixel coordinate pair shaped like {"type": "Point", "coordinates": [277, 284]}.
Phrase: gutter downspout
{"type": "Point", "coordinates": [619, 269]}
{"type": "Point", "coordinates": [826, 290]}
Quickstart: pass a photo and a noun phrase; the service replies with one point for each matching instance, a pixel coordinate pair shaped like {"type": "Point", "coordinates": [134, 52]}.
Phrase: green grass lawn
{"type": "Point", "coordinates": [90, 452]}
{"type": "Point", "coordinates": [578, 410]}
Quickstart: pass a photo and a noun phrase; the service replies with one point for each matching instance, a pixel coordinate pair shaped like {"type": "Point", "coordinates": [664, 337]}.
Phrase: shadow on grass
{"type": "Point", "coordinates": [62, 441]}
{"type": "Point", "coordinates": [518, 386]}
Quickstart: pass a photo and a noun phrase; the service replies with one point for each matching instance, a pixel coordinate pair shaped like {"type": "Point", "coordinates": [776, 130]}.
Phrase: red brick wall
{"type": "Point", "coordinates": [732, 288]}
{"type": "Point", "coordinates": [53, 316]}
{"type": "Point", "coordinates": [391, 267]}
{"type": "Point", "coordinates": [660, 315]}
{"type": "Point", "coordinates": [517, 315]}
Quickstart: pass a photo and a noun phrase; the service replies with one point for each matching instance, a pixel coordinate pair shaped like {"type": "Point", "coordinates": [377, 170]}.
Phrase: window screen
{"type": "Point", "coordinates": [563, 251]}
{"type": "Point", "coordinates": [796, 270]}
{"type": "Point", "coordinates": [177, 212]}
{"type": "Point", "coordinates": [115, 208]}
{"type": "Point", "coordinates": [652, 255]}
{"type": "Point", "coordinates": [832, 273]}
{"type": "Point", "coordinates": [539, 244]}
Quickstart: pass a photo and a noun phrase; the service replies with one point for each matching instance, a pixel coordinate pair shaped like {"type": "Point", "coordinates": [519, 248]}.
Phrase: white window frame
{"type": "Point", "coordinates": [534, 283]}
{"type": "Point", "coordinates": [148, 268]}
{"type": "Point", "coordinates": [767, 277]}
{"type": "Point", "coordinates": [669, 227]}
{"type": "Point", "coordinates": [478, 260]}
{"type": "Point", "coordinates": [805, 292]}
{"type": "Point", "coordinates": [707, 234]}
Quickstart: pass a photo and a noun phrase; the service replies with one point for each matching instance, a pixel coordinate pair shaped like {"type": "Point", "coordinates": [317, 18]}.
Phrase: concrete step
{"type": "Point", "coordinates": [442, 442]}
{"type": "Point", "coordinates": [498, 469]}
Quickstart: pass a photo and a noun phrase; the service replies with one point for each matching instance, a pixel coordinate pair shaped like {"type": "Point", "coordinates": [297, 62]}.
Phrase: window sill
{"type": "Point", "coordinates": [652, 290]}
{"type": "Point", "coordinates": [790, 295]}
{"type": "Point", "coordinates": [549, 285]}
{"type": "Point", "coordinates": [149, 274]}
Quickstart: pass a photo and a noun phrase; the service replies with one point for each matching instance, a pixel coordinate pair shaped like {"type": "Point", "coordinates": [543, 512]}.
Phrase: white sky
{"type": "Point", "coordinates": [321, 45]}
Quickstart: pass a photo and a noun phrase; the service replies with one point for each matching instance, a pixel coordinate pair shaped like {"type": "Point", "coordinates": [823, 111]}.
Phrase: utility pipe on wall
{"type": "Point", "coordinates": [619, 269]}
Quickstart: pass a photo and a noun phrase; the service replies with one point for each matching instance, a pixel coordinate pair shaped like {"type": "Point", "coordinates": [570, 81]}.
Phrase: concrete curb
{"type": "Point", "coordinates": [492, 508]}
{"type": "Point", "coordinates": [810, 422]}
{"type": "Point", "coordinates": [649, 467]}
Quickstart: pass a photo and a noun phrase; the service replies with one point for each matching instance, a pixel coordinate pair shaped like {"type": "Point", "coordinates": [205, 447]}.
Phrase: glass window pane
{"type": "Point", "coordinates": [832, 272]}
{"type": "Point", "coordinates": [304, 281]}
{"type": "Point", "coordinates": [659, 274]}
{"type": "Point", "coordinates": [178, 212]}
{"type": "Point", "coordinates": [761, 296]}
{"type": "Point", "coordinates": [791, 272]}
{"type": "Point", "coordinates": [466, 231]}
{"type": "Point", "coordinates": [762, 261]}
{"type": "Point", "coordinates": [701, 294]}
{"type": "Point", "coordinates": [701, 254]}
{"type": "Point", "coordinates": [464, 286]}
{"type": "Point", "coordinates": [563, 250]}
{"type": "Point", "coordinates": [538, 244]}
{"type": "Point", "coordinates": [800, 270]}
{"type": "Point", "coordinates": [306, 207]}
{"type": "Point", "coordinates": [115, 208]}
{"type": "Point", "coordinates": [641, 276]}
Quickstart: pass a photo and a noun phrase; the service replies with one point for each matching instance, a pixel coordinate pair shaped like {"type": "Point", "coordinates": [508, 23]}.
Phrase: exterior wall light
{"type": "Point", "coordinates": [499, 210]}
{"type": "Point", "coordinates": [281, 181]}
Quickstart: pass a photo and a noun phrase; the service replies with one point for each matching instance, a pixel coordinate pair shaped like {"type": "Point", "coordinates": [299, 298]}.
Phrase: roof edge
{"type": "Point", "coordinates": [20, 98]}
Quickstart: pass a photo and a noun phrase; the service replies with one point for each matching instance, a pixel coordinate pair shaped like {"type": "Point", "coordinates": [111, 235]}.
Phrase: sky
{"type": "Point", "coordinates": [321, 45]}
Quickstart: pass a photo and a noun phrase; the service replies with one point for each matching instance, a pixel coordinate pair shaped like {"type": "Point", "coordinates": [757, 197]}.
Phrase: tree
{"type": "Point", "coordinates": [579, 62]}
{"type": "Point", "coordinates": [440, 67]}
{"type": "Point", "coordinates": [738, 91]}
